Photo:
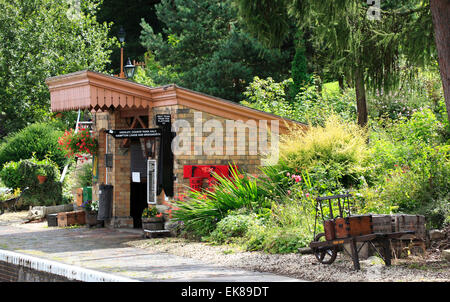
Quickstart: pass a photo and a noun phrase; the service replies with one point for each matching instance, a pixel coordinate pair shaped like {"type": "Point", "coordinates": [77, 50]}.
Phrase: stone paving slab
{"type": "Point", "coordinates": [102, 249]}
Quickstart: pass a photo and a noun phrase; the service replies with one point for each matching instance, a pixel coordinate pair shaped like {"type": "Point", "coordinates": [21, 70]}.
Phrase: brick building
{"type": "Point", "coordinates": [209, 132]}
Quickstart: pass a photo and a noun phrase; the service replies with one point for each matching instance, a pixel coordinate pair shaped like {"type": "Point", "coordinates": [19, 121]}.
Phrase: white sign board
{"type": "Point", "coordinates": [151, 181]}
{"type": "Point", "coordinates": [136, 176]}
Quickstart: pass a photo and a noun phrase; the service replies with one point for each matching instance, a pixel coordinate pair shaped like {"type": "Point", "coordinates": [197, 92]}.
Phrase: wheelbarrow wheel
{"type": "Point", "coordinates": [325, 255]}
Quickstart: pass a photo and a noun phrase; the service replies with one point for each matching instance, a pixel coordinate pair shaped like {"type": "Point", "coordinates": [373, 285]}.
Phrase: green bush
{"type": "Point", "coordinates": [411, 159]}
{"type": "Point", "coordinates": [10, 176]}
{"type": "Point", "coordinates": [269, 96]}
{"type": "Point", "coordinates": [40, 139]}
{"type": "Point", "coordinates": [84, 176]}
{"type": "Point", "coordinates": [314, 108]}
{"type": "Point", "coordinates": [289, 227]}
{"type": "Point", "coordinates": [24, 174]}
{"type": "Point", "coordinates": [422, 188]}
{"type": "Point", "coordinates": [335, 156]}
{"type": "Point", "coordinates": [308, 106]}
{"type": "Point", "coordinates": [201, 211]}
{"type": "Point", "coordinates": [233, 225]}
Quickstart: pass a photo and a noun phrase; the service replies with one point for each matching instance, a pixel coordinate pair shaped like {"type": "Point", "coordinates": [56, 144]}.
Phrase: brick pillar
{"type": "Point", "coordinates": [120, 177]}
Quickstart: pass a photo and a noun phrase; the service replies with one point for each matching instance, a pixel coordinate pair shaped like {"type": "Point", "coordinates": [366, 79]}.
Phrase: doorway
{"type": "Point", "coordinates": [138, 182]}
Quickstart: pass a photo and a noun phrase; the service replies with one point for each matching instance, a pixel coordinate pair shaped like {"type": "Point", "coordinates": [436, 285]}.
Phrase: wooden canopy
{"type": "Point", "coordinates": [96, 91]}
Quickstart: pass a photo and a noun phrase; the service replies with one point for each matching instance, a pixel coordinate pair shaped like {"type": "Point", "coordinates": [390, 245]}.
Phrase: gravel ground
{"type": "Point", "coordinates": [430, 268]}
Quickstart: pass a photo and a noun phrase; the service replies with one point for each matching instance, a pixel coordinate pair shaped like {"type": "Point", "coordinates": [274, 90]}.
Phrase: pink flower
{"type": "Point", "coordinates": [289, 192]}
{"type": "Point", "coordinates": [307, 195]}
{"type": "Point", "coordinates": [288, 174]}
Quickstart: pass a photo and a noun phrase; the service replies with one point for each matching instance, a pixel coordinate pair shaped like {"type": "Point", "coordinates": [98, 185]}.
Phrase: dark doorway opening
{"type": "Point", "coordinates": [138, 190]}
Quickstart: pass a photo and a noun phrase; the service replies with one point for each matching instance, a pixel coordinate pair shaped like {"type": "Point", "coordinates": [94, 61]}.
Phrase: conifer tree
{"type": "Point", "coordinates": [299, 71]}
{"type": "Point", "coordinates": [369, 50]}
{"type": "Point", "coordinates": [204, 45]}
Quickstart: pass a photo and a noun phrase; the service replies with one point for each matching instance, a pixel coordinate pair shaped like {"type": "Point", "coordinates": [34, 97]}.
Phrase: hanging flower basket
{"type": "Point", "coordinates": [80, 145]}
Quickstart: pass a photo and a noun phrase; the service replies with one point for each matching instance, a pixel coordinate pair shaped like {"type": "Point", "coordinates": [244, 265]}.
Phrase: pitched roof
{"type": "Point", "coordinates": [97, 91]}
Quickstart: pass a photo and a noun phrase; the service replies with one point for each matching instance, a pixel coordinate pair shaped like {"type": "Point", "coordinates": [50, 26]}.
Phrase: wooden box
{"type": "Point", "coordinates": [382, 223]}
{"type": "Point", "coordinates": [357, 225]}
{"type": "Point", "coordinates": [71, 218]}
{"type": "Point", "coordinates": [329, 228]}
{"type": "Point", "coordinates": [403, 223]}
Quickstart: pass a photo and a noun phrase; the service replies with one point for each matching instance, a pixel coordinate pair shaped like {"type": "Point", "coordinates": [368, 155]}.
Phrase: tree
{"type": "Point", "coordinates": [300, 74]}
{"type": "Point", "coordinates": [40, 39]}
{"type": "Point", "coordinates": [204, 44]}
{"type": "Point", "coordinates": [368, 51]}
{"type": "Point", "coordinates": [128, 14]}
{"type": "Point", "coordinates": [440, 10]}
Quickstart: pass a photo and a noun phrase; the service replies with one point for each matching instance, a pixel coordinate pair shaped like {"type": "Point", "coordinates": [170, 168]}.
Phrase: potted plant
{"type": "Point", "coordinates": [41, 175]}
{"type": "Point", "coordinates": [91, 210]}
{"type": "Point", "coordinates": [152, 220]}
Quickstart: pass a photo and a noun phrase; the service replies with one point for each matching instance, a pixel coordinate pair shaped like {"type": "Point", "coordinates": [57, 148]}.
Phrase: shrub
{"type": "Point", "coordinates": [413, 167]}
{"type": "Point", "coordinates": [201, 211]}
{"type": "Point", "coordinates": [270, 96]}
{"type": "Point", "coordinates": [289, 228]}
{"type": "Point", "coordinates": [308, 105]}
{"type": "Point", "coordinates": [314, 108]}
{"type": "Point", "coordinates": [335, 155]}
{"type": "Point", "coordinates": [10, 176]}
{"type": "Point", "coordinates": [233, 225]}
{"type": "Point", "coordinates": [422, 186]}
{"type": "Point", "coordinates": [84, 176]}
{"type": "Point", "coordinates": [40, 139]}
{"type": "Point", "coordinates": [26, 171]}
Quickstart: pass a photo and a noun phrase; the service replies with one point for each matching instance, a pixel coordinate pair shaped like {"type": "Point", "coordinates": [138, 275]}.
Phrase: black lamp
{"type": "Point", "coordinates": [129, 69]}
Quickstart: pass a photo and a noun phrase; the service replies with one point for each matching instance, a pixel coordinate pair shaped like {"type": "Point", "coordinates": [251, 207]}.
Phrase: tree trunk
{"type": "Point", "coordinates": [361, 104]}
{"type": "Point", "coordinates": [341, 83]}
{"type": "Point", "coordinates": [440, 11]}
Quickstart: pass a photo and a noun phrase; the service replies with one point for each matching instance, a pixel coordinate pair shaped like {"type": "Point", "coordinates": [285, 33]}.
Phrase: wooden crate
{"type": "Point", "coordinates": [356, 225]}
{"type": "Point", "coordinates": [71, 218]}
{"type": "Point", "coordinates": [403, 222]}
{"type": "Point", "coordinates": [382, 223]}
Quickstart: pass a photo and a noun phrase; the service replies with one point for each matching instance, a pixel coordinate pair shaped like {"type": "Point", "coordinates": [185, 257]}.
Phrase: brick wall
{"type": "Point", "coordinates": [15, 273]}
{"type": "Point", "coordinates": [119, 176]}
{"type": "Point", "coordinates": [17, 267]}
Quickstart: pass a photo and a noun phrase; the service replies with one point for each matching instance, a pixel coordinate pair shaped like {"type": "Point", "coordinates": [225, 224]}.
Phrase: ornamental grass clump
{"type": "Point", "coordinates": [334, 155]}
{"type": "Point", "coordinates": [202, 210]}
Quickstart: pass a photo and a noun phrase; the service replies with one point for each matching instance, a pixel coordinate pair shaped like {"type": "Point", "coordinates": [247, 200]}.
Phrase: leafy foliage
{"type": "Point", "coordinates": [368, 53]}
{"type": "Point", "coordinates": [308, 106]}
{"type": "Point", "coordinates": [202, 210]}
{"type": "Point", "coordinates": [84, 176]}
{"type": "Point", "coordinates": [300, 74]}
{"type": "Point", "coordinates": [26, 171]}
{"type": "Point", "coordinates": [205, 45]}
{"type": "Point", "coordinates": [40, 39]}
{"type": "Point", "coordinates": [40, 139]}
{"type": "Point", "coordinates": [335, 155]}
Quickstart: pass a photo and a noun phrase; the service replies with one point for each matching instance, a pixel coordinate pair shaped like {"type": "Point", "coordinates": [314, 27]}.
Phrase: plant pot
{"type": "Point", "coordinates": [91, 219]}
{"type": "Point", "coordinates": [42, 178]}
{"type": "Point", "coordinates": [153, 223]}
